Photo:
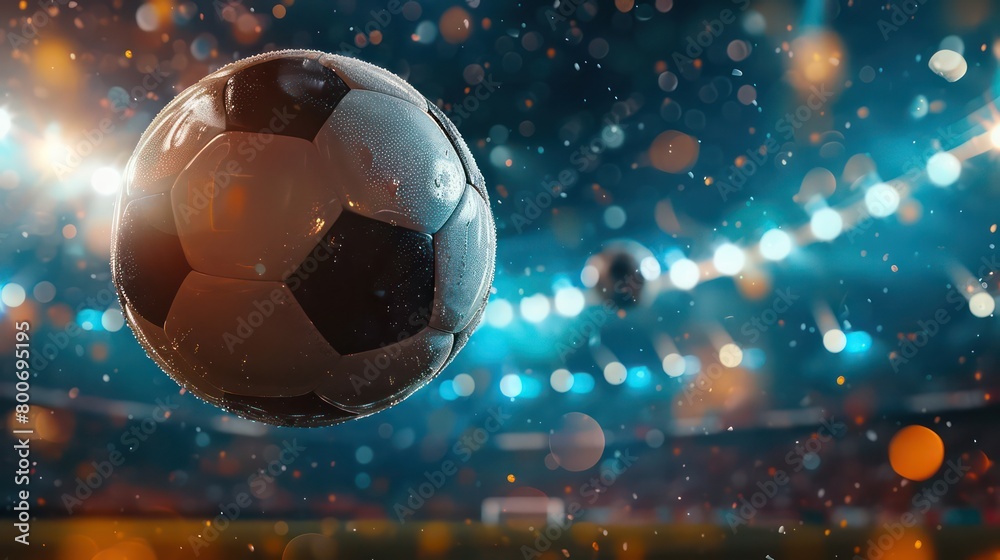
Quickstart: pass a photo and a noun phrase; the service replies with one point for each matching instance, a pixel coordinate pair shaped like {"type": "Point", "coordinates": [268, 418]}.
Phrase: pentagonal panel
{"type": "Point", "coordinates": [376, 286]}
{"type": "Point", "coordinates": [287, 96]}
{"type": "Point", "coordinates": [175, 136]}
{"type": "Point", "coordinates": [304, 411]}
{"type": "Point", "coordinates": [359, 74]}
{"type": "Point", "coordinates": [387, 375]}
{"type": "Point", "coordinates": [232, 68]}
{"type": "Point", "coordinates": [391, 162]}
{"type": "Point", "coordinates": [473, 174]}
{"type": "Point", "coordinates": [252, 206]}
{"type": "Point", "coordinates": [157, 345]}
{"type": "Point", "coordinates": [149, 264]}
{"type": "Point", "coordinates": [464, 251]}
{"type": "Point", "coordinates": [252, 338]}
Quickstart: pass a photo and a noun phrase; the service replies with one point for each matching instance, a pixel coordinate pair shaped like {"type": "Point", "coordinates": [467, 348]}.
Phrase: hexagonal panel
{"type": "Point", "coordinates": [361, 75]}
{"type": "Point", "coordinates": [304, 411]}
{"type": "Point", "coordinates": [149, 263]}
{"type": "Point", "coordinates": [375, 288]}
{"type": "Point", "coordinates": [252, 206]}
{"type": "Point", "coordinates": [462, 337]}
{"type": "Point", "coordinates": [464, 251]}
{"type": "Point", "coordinates": [385, 376]}
{"type": "Point", "coordinates": [175, 136]}
{"type": "Point", "coordinates": [233, 67]}
{"type": "Point", "coordinates": [391, 162]}
{"type": "Point", "coordinates": [158, 346]}
{"type": "Point", "coordinates": [282, 95]}
{"type": "Point", "coordinates": [473, 174]}
{"type": "Point", "coordinates": [252, 338]}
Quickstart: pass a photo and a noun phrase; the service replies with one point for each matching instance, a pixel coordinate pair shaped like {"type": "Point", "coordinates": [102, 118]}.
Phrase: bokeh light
{"type": "Point", "coordinates": [916, 452]}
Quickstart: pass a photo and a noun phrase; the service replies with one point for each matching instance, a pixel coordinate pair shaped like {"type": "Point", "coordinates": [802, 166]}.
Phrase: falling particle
{"type": "Point", "coordinates": [128, 53]}
{"type": "Point", "coordinates": [948, 64]}
{"type": "Point", "coordinates": [840, 380]}
{"type": "Point", "coordinates": [781, 530]}
{"type": "Point", "coordinates": [510, 478]}
{"type": "Point", "coordinates": [737, 72]}
{"type": "Point", "coordinates": [917, 544]}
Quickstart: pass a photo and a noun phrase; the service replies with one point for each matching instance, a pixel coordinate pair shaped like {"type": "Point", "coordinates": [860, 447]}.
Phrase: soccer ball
{"type": "Point", "coordinates": [618, 276]}
{"type": "Point", "coordinates": [302, 239]}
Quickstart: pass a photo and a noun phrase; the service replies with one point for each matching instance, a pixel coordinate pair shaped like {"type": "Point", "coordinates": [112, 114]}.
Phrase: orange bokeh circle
{"type": "Point", "coordinates": [916, 453]}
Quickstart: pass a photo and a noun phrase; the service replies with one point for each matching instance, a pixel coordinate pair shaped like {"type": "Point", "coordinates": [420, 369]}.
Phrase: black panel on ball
{"type": "Point", "coordinates": [301, 412]}
{"type": "Point", "coordinates": [375, 288]}
{"type": "Point", "coordinates": [149, 261]}
{"type": "Point", "coordinates": [286, 96]}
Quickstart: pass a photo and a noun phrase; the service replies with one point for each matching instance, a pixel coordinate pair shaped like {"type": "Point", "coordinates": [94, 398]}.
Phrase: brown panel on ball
{"type": "Point", "coordinates": [157, 345]}
{"type": "Point", "coordinates": [377, 379]}
{"type": "Point", "coordinates": [253, 207]}
{"type": "Point", "coordinates": [176, 135]}
{"type": "Point", "coordinates": [251, 337]}
{"type": "Point", "coordinates": [305, 411]}
{"type": "Point", "coordinates": [149, 264]}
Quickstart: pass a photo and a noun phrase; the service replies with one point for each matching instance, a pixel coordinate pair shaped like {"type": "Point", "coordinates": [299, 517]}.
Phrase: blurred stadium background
{"type": "Point", "coordinates": [726, 230]}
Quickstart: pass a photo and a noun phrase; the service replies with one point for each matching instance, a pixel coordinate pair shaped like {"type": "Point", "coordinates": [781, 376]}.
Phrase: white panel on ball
{"type": "Point", "coordinates": [251, 206]}
{"type": "Point", "coordinates": [464, 251]}
{"type": "Point", "coordinates": [391, 162]}
{"type": "Point", "coordinates": [185, 126]}
{"type": "Point", "coordinates": [359, 74]}
{"type": "Point", "coordinates": [240, 331]}
{"type": "Point", "coordinates": [377, 378]}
